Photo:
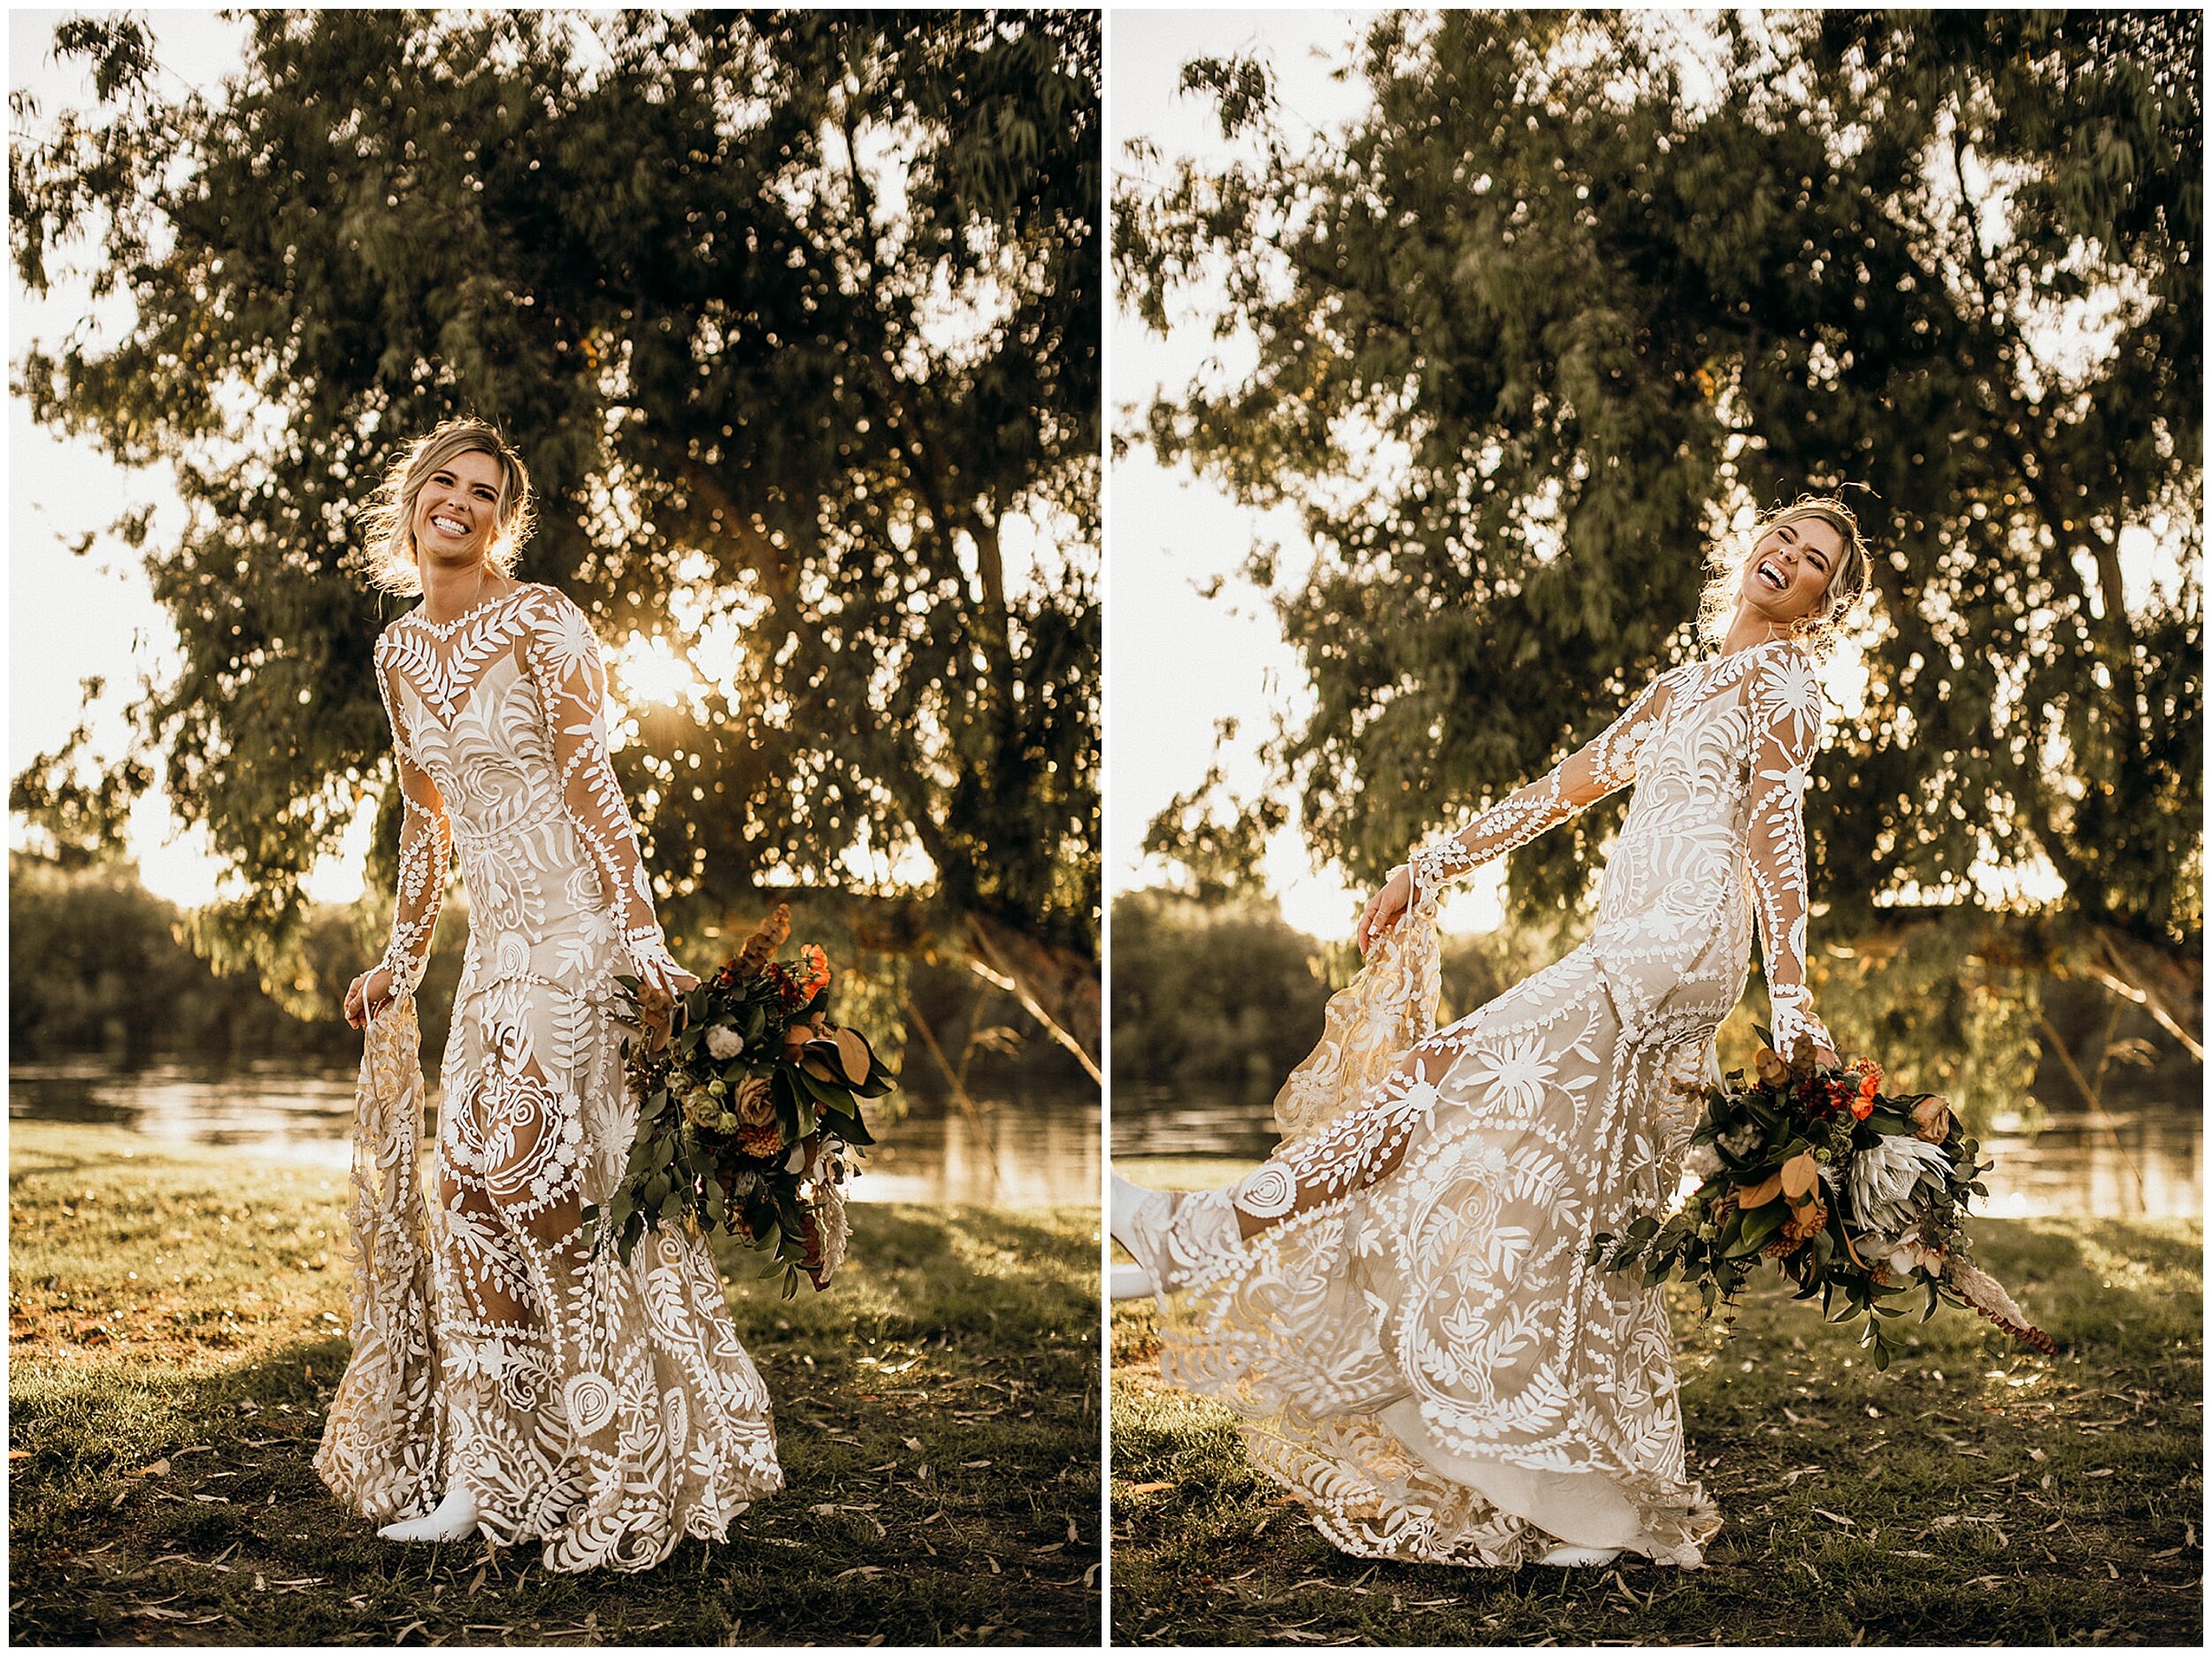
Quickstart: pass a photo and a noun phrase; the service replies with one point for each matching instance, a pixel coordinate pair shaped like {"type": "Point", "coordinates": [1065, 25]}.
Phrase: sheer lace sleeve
{"type": "Point", "coordinates": [562, 655]}
{"type": "Point", "coordinates": [1784, 699]}
{"type": "Point", "coordinates": [1606, 761]}
{"type": "Point", "coordinates": [425, 851]}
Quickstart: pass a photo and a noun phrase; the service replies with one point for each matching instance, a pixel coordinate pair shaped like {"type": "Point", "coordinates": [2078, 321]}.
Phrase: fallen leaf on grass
{"type": "Point", "coordinates": [19, 1454]}
{"type": "Point", "coordinates": [1836, 1518]}
{"type": "Point", "coordinates": [1148, 1489]}
{"type": "Point", "coordinates": [159, 1468]}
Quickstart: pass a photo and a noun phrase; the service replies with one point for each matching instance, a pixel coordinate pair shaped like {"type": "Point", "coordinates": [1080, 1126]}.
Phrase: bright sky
{"type": "Point", "coordinates": [72, 618]}
{"type": "Point", "coordinates": [1178, 662]}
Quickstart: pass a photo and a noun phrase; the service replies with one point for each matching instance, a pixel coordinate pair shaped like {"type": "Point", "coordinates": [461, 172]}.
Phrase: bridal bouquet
{"type": "Point", "coordinates": [1847, 1190]}
{"type": "Point", "coordinates": [747, 1113]}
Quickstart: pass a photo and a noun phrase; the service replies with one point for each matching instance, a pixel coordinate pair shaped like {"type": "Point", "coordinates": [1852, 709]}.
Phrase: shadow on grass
{"type": "Point", "coordinates": [936, 1413]}
{"type": "Point", "coordinates": [1973, 1494]}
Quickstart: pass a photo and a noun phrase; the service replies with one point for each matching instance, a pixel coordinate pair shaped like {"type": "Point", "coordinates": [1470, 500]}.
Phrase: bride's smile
{"type": "Point", "coordinates": [458, 509]}
{"type": "Point", "coordinates": [1787, 573]}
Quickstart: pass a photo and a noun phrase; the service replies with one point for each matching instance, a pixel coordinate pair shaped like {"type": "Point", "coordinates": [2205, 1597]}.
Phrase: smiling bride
{"type": "Point", "coordinates": [507, 1378]}
{"type": "Point", "coordinates": [1399, 1304]}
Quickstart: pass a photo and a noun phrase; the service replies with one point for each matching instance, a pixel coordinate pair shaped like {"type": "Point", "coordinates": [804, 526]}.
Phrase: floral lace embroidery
{"type": "Point", "coordinates": [606, 1409]}
{"type": "Point", "coordinates": [1606, 761]}
{"type": "Point", "coordinates": [1786, 705]}
{"type": "Point", "coordinates": [1410, 1302]}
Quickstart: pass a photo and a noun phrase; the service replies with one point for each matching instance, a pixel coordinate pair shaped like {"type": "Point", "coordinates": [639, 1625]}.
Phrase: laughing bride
{"type": "Point", "coordinates": [1398, 1304]}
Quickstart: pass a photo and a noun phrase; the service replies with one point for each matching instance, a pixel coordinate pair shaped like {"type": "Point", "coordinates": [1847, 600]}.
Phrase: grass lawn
{"type": "Point", "coordinates": [177, 1325]}
{"type": "Point", "coordinates": [1974, 1494]}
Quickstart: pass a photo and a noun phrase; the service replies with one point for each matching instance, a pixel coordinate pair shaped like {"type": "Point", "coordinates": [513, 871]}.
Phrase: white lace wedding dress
{"type": "Point", "coordinates": [1397, 1305]}
{"type": "Point", "coordinates": [606, 1409]}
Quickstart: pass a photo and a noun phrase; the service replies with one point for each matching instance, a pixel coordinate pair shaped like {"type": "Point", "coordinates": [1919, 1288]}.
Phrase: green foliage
{"type": "Point", "coordinates": [82, 817]}
{"type": "Point", "coordinates": [716, 1133]}
{"type": "Point", "coordinates": [1780, 1188]}
{"type": "Point", "coordinates": [1217, 839]}
{"type": "Point", "coordinates": [794, 316]}
{"type": "Point", "coordinates": [1936, 1015]}
{"type": "Point", "coordinates": [1544, 320]}
{"type": "Point", "coordinates": [97, 961]}
{"type": "Point", "coordinates": [1222, 993]}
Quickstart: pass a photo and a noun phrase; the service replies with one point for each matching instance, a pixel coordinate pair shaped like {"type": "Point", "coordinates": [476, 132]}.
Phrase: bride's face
{"type": "Point", "coordinates": [1788, 572]}
{"type": "Point", "coordinates": [458, 510]}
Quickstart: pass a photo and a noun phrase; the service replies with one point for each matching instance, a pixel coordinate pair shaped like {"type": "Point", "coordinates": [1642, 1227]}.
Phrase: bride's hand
{"type": "Point", "coordinates": [1383, 910]}
{"type": "Point", "coordinates": [368, 994]}
{"type": "Point", "coordinates": [661, 1001]}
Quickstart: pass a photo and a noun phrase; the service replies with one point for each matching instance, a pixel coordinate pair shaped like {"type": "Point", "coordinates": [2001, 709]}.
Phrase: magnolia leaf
{"type": "Point", "coordinates": [1799, 1177]}
{"type": "Point", "coordinates": [1758, 1195]}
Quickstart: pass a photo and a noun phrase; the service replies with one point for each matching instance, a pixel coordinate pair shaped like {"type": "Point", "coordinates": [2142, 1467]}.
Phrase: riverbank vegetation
{"type": "Point", "coordinates": [1226, 993]}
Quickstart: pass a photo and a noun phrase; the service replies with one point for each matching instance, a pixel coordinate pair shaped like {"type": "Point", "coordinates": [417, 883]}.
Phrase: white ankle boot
{"type": "Point", "coordinates": [1568, 1557]}
{"type": "Point", "coordinates": [1129, 1281]}
{"type": "Point", "coordinates": [1137, 1219]}
{"type": "Point", "coordinates": [455, 1520]}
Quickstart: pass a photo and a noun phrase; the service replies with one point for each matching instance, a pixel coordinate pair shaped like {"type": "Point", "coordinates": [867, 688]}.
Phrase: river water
{"type": "Point", "coordinates": [2138, 1159]}
{"type": "Point", "coordinates": [1040, 1150]}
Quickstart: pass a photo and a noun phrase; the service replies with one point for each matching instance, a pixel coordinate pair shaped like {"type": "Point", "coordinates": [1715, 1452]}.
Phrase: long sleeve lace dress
{"type": "Point", "coordinates": [603, 1408]}
{"type": "Point", "coordinates": [1396, 1305]}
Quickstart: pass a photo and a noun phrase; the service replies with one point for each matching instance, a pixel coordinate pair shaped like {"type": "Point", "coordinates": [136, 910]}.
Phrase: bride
{"type": "Point", "coordinates": [1397, 1304]}
{"type": "Point", "coordinates": [506, 1377]}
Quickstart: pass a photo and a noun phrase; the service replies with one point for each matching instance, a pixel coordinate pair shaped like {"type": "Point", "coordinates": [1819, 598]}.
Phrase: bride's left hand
{"type": "Point", "coordinates": [660, 1003]}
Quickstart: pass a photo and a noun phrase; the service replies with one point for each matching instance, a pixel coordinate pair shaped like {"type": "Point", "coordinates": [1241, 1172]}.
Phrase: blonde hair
{"type": "Point", "coordinates": [1847, 582]}
{"type": "Point", "coordinates": [389, 521]}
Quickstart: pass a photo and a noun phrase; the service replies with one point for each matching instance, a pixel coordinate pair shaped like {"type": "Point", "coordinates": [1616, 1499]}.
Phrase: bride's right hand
{"type": "Point", "coordinates": [371, 991]}
{"type": "Point", "coordinates": [1383, 910]}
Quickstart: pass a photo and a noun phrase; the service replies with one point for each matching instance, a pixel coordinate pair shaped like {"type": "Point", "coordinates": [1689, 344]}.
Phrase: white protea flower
{"type": "Point", "coordinates": [1883, 1177]}
{"type": "Point", "coordinates": [1699, 1163]}
{"type": "Point", "coordinates": [725, 1042]}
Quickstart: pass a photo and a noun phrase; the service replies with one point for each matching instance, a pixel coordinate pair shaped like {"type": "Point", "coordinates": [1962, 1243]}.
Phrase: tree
{"type": "Point", "coordinates": [1216, 995]}
{"type": "Point", "coordinates": [1547, 320]}
{"type": "Point", "coordinates": [1217, 838]}
{"type": "Point", "coordinates": [794, 319]}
